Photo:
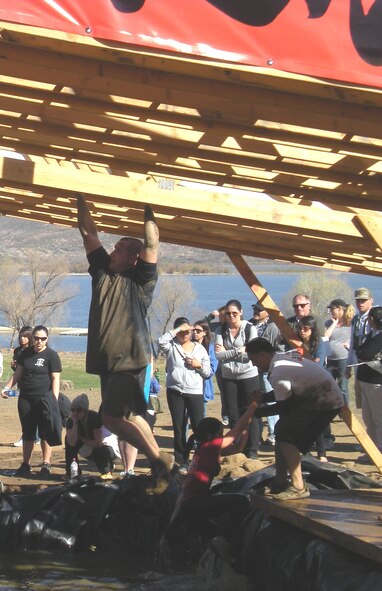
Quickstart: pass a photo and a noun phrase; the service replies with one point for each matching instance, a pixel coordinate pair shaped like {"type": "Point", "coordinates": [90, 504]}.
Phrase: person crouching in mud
{"type": "Point", "coordinates": [198, 510]}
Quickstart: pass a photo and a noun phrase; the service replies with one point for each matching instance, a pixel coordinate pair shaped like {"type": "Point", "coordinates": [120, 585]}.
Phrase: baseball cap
{"type": "Point", "coordinates": [337, 304]}
{"type": "Point", "coordinates": [362, 293]}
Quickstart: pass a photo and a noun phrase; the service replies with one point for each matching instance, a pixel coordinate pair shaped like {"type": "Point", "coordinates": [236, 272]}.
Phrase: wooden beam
{"type": "Point", "coordinates": [33, 98]}
{"type": "Point", "coordinates": [361, 435]}
{"type": "Point", "coordinates": [371, 226]}
{"type": "Point", "coordinates": [232, 208]}
{"type": "Point", "coordinates": [164, 148]}
{"type": "Point", "coordinates": [192, 92]}
{"type": "Point", "coordinates": [149, 58]}
{"type": "Point", "coordinates": [265, 299]}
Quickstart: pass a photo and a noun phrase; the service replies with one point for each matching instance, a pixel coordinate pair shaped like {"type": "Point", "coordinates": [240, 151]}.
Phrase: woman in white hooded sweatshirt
{"type": "Point", "coordinates": [187, 365]}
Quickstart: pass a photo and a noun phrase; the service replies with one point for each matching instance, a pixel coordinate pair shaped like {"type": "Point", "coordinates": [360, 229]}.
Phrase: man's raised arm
{"type": "Point", "coordinates": [149, 254]}
{"type": "Point", "coordinates": [86, 225]}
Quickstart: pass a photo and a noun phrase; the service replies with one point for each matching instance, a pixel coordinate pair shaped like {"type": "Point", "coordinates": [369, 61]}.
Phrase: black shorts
{"type": "Point", "coordinates": [123, 393]}
{"type": "Point", "coordinates": [31, 418]}
{"type": "Point", "coordinates": [301, 426]}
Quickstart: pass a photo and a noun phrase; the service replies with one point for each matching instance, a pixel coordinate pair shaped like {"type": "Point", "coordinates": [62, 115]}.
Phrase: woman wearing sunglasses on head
{"type": "Point", "coordinates": [187, 365]}
{"type": "Point", "coordinates": [37, 375]}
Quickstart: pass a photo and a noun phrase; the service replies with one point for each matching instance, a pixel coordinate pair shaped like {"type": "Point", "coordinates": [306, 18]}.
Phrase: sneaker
{"type": "Point", "coordinates": [160, 473]}
{"type": "Point", "coordinates": [24, 470]}
{"type": "Point", "coordinates": [106, 476]}
{"type": "Point", "coordinates": [270, 440]}
{"type": "Point", "coordinates": [37, 441]}
{"type": "Point", "coordinates": [18, 443]}
{"type": "Point", "coordinates": [127, 473]}
{"type": "Point", "coordinates": [252, 455]}
{"type": "Point", "coordinates": [225, 421]}
{"type": "Point", "coordinates": [273, 488]}
{"type": "Point", "coordinates": [291, 493]}
{"type": "Point", "coordinates": [45, 470]}
{"type": "Point", "coordinates": [183, 469]}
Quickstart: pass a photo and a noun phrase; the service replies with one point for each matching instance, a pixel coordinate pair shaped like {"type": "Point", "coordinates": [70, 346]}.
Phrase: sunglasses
{"type": "Point", "coordinates": [301, 305]}
{"type": "Point", "coordinates": [232, 313]}
{"type": "Point", "coordinates": [198, 330]}
{"type": "Point", "coordinates": [40, 338]}
{"type": "Point", "coordinates": [184, 332]}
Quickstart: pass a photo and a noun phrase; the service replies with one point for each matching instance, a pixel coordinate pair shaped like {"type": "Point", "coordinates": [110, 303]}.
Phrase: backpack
{"type": "Point", "coordinates": [247, 331]}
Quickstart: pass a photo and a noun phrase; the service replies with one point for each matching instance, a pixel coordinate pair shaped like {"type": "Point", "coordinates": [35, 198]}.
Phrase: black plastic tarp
{"type": "Point", "coordinates": [89, 514]}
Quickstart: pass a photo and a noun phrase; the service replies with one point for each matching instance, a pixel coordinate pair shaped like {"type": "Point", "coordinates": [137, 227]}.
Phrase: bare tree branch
{"type": "Point", "coordinates": [35, 298]}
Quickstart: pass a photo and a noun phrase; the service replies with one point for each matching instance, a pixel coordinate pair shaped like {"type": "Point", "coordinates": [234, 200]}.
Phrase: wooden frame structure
{"type": "Point", "coordinates": [232, 158]}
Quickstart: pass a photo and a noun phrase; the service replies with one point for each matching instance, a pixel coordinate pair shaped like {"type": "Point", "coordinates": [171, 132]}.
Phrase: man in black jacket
{"type": "Point", "coordinates": [369, 375]}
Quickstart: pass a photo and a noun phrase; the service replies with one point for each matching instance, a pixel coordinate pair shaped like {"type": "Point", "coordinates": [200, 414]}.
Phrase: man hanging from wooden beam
{"type": "Point", "coordinates": [118, 346]}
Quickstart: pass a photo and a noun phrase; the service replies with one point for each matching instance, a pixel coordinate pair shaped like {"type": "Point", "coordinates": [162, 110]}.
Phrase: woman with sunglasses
{"type": "Point", "coordinates": [25, 341]}
{"type": "Point", "coordinates": [187, 366]}
{"type": "Point", "coordinates": [37, 375]}
{"type": "Point", "coordinates": [202, 335]}
{"type": "Point", "coordinates": [240, 377]}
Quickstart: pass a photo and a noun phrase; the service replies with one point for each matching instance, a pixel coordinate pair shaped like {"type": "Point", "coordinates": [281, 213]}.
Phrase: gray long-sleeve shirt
{"type": "Point", "coordinates": [179, 376]}
{"type": "Point", "coordinates": [235, 364]}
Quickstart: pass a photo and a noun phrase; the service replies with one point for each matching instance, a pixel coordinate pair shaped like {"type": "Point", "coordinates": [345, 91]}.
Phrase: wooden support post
{"type": "Point", "coordinates": [361, 435]}
{"type": "Point", "coordinates": [264, 298]}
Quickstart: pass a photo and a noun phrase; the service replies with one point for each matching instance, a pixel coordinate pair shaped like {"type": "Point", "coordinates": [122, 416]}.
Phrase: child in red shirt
{"type": "Point", "coordinates": [197, 509]}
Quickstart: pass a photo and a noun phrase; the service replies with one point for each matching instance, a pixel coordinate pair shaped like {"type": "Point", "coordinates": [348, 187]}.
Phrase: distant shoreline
{"type": "Point", "coordinates": [261, 271]}
{"type": "Point", "coordinates": [61, 330]}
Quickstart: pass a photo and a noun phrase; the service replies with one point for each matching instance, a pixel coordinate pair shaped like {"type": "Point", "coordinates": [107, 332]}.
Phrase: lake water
{"type": "Point", "coordinates": [211, 291]}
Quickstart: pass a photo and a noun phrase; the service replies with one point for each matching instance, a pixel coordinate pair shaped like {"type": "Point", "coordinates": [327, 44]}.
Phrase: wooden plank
{"type": "Point", "coordinates": [347, 518]}
{"type": "Point", "coordinates": [260, 135]}
{"type": "Point", "coordinates": [193, 92]}
{"type": "Point", "coordinates": [265, 299]}
{"type": "Point", "coordinates": [360, 433]}
{"type": "Point", "coordinates": [221, 205]}
{"type": "Point", "coordinates": [164, 144]}
{"type": "Point", "coordinates": [371, 226]}
{"type": "Point", "coordinates": [149, 58]}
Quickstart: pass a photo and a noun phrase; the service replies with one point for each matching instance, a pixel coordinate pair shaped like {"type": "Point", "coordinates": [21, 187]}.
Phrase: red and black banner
{"type": "Point", "coordinates": [336, 39]}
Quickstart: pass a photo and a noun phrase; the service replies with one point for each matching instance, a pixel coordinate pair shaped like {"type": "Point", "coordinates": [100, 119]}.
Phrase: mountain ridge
{"type": "Point", "coordinates": [22, 238]}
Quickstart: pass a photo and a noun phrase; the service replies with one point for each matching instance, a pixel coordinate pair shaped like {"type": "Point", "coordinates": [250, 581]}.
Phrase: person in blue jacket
{"type": "Point", "coordinates": [202, 335]}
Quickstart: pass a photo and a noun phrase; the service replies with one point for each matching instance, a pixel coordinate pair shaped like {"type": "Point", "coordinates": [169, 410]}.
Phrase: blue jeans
{"type": "Point", "coordinates": [337, 368]}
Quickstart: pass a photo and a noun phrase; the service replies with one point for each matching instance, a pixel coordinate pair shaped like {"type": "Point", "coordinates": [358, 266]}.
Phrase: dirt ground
{"type": "Point", "coordinates": [343, 453]}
